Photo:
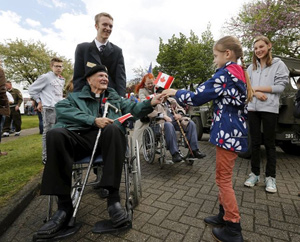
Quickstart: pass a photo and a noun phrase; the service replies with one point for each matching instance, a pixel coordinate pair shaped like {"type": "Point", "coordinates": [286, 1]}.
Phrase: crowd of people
{"type": "Point", "coordinates": [70, 125]}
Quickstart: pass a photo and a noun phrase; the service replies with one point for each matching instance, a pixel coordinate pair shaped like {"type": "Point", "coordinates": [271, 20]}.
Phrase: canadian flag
{"type": "Point", "coordinates": [123, 118]}
{"type": "Point", "coordinates": [163, 80]}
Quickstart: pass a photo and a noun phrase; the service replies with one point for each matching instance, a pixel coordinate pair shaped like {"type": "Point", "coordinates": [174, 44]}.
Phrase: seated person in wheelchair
{"type": "Point", "coordinates": [170, 111]}
{"type": "Point", "coordinates": [79, 118]}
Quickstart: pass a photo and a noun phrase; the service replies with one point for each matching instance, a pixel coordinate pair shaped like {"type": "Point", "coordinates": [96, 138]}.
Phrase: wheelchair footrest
{"type": "Point", "coordinates": [106, 226]}
{"type": "Point", "coordinates": [62, 234]}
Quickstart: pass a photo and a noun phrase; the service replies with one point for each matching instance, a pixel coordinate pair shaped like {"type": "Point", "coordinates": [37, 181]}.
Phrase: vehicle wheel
{"type": "Point", "coordinates": [199, 126]}
{"type": "Point", "coordinates": [289, 148]}
{"type": "Point", "coordinates": [149, 145]}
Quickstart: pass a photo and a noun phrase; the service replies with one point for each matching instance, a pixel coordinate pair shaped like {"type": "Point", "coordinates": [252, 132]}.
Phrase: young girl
{"type": "Point", "coordinates": [269, 77]}
{"type": "Point", "coordinates": [228, 89]}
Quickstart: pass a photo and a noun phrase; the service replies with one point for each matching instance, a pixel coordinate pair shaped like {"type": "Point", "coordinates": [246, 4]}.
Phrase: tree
{"type": "Point", "coordinates": [26, 60]}
{"type": "Point", "coordinates": [276, 19]}
{"type": "Point", "coordinates": [188, 60]}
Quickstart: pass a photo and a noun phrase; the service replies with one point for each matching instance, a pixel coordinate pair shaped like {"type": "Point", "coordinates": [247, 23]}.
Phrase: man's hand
{"type": "Point", "coordinates": [169, 92]}
{"type": "Point", "coordinates": [39, 107]}
{"type": "Point", "coordinates": [102, 122]}
{"type": "Point", "coordinates": [177, 116]}
{"type": "Point", "coordinates": [17, 108]}
{"type": "Point", "coordinates": [156, 99]}
{"type": "Point", "coordinates": [168, 119]}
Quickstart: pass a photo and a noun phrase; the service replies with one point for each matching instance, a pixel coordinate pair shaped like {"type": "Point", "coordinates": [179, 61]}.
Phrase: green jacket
{"type": "Point", "coordinates": [79, 110]}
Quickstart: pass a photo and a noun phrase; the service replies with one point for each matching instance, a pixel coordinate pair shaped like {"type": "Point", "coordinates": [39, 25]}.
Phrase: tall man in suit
{"type": "Point", "coordinates": [100, 51]}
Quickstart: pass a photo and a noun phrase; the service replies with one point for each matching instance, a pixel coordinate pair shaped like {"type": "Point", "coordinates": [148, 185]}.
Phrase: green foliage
{"type": "Point", "coordinates": [26, 60]}
{"type": "Point", "coordinates": [188, 59]}
{"type": "Point", "coordinates": [21, 164]}
{"type": "Point", "coordinates": [276, 19]}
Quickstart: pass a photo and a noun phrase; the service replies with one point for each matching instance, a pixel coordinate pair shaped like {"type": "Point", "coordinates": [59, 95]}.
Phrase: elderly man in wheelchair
{"type": "Point", "coordinates": [172, 115]}
{"type": "Point", "coordinates": [79, 119]}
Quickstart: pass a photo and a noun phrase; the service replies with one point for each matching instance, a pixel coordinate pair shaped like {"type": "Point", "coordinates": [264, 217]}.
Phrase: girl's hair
{"type": "Point", "coordinates": [269, 55]}
{"type": "Point", "coordinates": [233, 44]}
{"type": "Point", "coordinates": [142, 83]}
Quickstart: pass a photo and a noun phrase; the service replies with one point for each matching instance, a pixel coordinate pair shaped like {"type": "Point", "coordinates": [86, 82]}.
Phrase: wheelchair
{"type": "Point", "coordinates": [154, 144]}
{"type": "Point", "coordinates": [131, 182]}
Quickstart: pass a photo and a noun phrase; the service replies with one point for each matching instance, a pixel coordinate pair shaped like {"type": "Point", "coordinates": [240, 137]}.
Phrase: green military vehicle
{"type": "Point", "coordinates": [202, 117]}
{"type": "Point", "coordinates": [288, 127]}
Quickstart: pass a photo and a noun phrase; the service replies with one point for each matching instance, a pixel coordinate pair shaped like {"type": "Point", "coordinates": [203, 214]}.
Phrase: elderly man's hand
{"type": "Point", "coordinates": [156, 99]}
{"type": "Point", "coordinates": [102, 122]}
{"type": "Point", "coordinates": [169, 92]}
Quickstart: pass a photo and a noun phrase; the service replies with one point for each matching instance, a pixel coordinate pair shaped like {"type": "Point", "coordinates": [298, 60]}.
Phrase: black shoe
{"type": "Point", "coordinates": [57, 222]}
{"type": "Point", "coordinates": [216, 220]}
{"type": "Point", "coordinates": [176, 157]}
{"type": "Point", "coordinates": [231, 232]}
{"type": "Point", "coordinates": [117, 214]}
{"type": "Point", "coordinates": [198, 154]}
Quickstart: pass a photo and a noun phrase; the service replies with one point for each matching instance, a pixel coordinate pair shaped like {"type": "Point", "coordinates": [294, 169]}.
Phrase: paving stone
{"type": "Point", "coordinates": [178, 197]}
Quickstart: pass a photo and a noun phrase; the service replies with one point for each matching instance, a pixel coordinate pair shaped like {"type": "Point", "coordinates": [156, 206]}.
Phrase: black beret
{"type": "Point", "coordinates": [95, 69]}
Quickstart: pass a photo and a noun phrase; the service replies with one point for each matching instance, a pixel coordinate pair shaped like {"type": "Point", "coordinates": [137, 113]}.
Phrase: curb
{"type": "Point", "coordinates": [16, 205]}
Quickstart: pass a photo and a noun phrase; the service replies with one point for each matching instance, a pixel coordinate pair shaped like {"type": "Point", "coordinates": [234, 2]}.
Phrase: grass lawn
{"type": "Point", "coordinates": [29, 122]}
{"type": "Point", "coordinates": [22, 163]}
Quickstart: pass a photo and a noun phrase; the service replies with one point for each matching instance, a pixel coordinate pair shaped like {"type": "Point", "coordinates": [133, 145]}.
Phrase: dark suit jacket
{"type": "Point", "coordinates": [87, 55]}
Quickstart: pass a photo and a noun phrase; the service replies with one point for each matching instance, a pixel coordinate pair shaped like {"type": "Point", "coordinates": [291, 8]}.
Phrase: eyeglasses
{"type": "Point", "coordinates": [58, 66]}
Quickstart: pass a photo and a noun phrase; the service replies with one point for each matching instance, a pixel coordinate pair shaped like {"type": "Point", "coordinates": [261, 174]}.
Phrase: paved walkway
{"type": "Point", "coordinates": [24, 132]}
{"type": "Point", "coordinates": [178, 197]}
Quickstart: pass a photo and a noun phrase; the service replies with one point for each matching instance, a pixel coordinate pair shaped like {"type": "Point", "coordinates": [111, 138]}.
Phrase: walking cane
{"type": "Point", "coordinates": [182, 132]}
{"type": "Point", "coordinates": [72, 220]}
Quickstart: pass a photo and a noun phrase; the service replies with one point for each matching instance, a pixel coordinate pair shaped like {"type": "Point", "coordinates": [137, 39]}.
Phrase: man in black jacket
{"type": "Point", "coordinates": [100, 51]}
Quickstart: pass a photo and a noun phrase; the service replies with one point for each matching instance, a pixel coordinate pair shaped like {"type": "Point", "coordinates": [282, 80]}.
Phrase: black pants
{"type": "Point", "coordinates": [65, 146]}
{"type": "Point", "coordinates": [268, 122]}
{"type": "Point", "coordinates": [15, 116]}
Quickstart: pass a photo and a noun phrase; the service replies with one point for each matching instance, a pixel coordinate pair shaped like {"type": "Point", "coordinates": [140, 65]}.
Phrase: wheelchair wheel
{"type": "Point", "coordinates": [183, 148]}
{"type": "Point", "coordinates": [75, 191]}
{"type": "Point", "coordinates": [149, 145]}
{"type": "Point", "coordinates": [76, 183]}
{"type": "Point", "coordinates": [136, 176]}
{"type": "Point", "coordinates": [162, 151]}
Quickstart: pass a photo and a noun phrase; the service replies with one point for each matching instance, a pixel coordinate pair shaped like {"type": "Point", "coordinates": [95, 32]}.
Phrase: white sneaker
{"type": "Point", "coordinates": [270, 184]}
{"type": "Point", "coordinates": [17, 133]}
{"type": "Point", "coordinates": [252, 180]}
{"type": "Point", "coordinates": [5, 134]}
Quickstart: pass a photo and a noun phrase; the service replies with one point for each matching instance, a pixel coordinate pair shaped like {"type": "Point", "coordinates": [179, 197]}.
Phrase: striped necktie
{"type": "Point", "coordinates": [101, 48]}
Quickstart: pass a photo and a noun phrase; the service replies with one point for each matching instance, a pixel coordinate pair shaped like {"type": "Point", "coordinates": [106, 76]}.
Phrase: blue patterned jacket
{"type": "Point", "coordinates": [228, 91]}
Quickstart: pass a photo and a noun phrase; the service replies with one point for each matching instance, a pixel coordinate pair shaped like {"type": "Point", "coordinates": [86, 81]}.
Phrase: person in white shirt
{"type": "Point", "coordinates": [47, 90]}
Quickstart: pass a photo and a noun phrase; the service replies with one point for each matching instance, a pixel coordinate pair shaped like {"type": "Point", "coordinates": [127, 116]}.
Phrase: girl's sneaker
{"type": "Point", "coordinates": [270, 184]}
{"type": "Point", "coordinates": [252, 180]}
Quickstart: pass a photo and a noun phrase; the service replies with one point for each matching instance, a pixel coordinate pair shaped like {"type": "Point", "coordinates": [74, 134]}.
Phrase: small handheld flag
{"type": "Point", "coordinates": [123, 118]}
{"type": "Point", "coordinates": [150, 96]}
{"type": "Point", "coordinates": [163, 80]}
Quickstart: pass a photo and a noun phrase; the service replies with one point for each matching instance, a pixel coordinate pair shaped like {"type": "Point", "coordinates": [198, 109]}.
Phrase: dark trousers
{"type": "Point", "coordinates": [65, 146]}
{"type": "Point", "coordinates": [15, 116]}
{"type": "Point", "coordinates": [171, 137]}
{"type": "Point", "coordinates": [268, 122]}
{"type": "Point", "coordinates": [41, 126]}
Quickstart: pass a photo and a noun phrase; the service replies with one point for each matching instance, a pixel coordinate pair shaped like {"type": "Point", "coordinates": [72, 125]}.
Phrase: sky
{"type": "Point", "coordinates": [138, 24]}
